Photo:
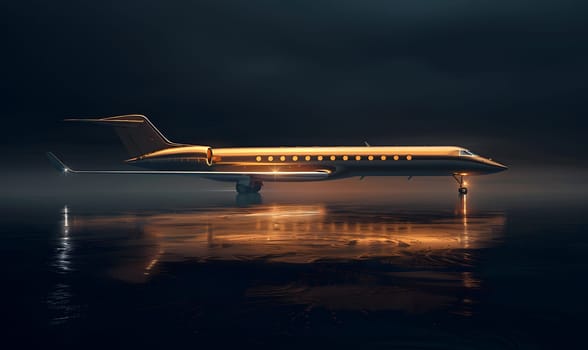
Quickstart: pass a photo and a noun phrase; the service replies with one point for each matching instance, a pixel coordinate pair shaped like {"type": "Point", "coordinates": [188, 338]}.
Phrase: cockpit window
{"type": "Point", "coordinates": [465, 152]}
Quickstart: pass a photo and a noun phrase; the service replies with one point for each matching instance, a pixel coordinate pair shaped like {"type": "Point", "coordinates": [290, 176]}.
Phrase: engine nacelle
{"type": "Point", "coordinates": [209, 156]}
{"type": "Point", "coordinates": [173, 157]}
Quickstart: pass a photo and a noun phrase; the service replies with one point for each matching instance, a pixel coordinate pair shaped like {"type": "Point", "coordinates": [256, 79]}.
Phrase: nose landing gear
{"type": "Point", "coordinates": [461, 182]}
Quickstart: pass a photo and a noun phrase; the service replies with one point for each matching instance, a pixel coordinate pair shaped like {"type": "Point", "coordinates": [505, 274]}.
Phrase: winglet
{"type": "Point", "coordinates": [58, 164]}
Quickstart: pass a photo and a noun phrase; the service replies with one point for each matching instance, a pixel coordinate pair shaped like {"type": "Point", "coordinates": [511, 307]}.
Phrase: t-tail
{"type": "Point", "coordinates": [137, 133]}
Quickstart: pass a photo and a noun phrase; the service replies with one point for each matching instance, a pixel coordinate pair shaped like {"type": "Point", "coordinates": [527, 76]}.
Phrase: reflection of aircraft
{"type": "Point", "coordinates": [288, 233]}
{"type": "Point", "coordinates": [341, 258]}
{"type": "Point", "coordinates": [249, 167]}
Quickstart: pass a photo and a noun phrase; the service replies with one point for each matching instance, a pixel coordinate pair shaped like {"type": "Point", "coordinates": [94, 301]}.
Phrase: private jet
{"type": "Point", "coordinates": [250, 167]}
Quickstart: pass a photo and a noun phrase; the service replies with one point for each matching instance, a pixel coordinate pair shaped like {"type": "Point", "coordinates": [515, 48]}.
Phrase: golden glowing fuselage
{"type": "Point", "coordinates": [337, 161]}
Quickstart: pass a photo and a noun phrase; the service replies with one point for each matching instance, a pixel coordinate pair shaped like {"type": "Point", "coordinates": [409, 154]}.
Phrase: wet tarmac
{"type": "Point", "coordinates": [272, 272]}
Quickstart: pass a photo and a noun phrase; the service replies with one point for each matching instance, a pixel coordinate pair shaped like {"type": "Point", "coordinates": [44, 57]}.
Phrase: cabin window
{"type": "Point", "coordinates": [270, 158]}
{"type": "Point", "coordinates": [396, 157]}
{"type": "Point", "coordinates": [307, 158]}
{"type": "Point", "coordinates": [258, 158]}
{"type": "Point", "coordinates": [370, 157]}
{"type": "Point", "coordinates": [294, 158]}
{"type": "Point", "coordinates": [319, 158]}
{"type": "Point", "coordinates": [408, 157]}
{"type": "Point", "coordinates": [357, 157]}
{"type": "Point", "coordinates": [282, 158]}
{"type": "Point", "coordinates": [465, 152]}
{"type": "Point", "coordinates": [333, 157]}
{"type": "Point", "coordinates": [383, 157]}
{"type": "Point", "coordinates": [345, 157]}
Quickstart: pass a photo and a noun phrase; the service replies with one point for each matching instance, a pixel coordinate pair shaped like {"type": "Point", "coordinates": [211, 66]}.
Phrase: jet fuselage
{"type": "Point", "coordinates": [338, 161]}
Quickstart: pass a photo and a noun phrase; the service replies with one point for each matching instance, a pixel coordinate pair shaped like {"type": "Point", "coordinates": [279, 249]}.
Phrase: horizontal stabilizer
{"type": "Point", "coordinates": [107, 121]}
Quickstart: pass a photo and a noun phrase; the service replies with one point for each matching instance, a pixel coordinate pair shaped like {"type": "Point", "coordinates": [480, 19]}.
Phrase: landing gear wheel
{"type": "Point", "coordinates": [254, 187]}
{"type": "Point", "coordinates": [461, 182]}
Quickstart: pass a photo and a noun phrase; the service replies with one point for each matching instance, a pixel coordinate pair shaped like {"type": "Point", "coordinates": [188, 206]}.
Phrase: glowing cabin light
{"type": "Point", "coordinates": [357, 157]}
{"type": "Point", "coordinates": [270, 158]}
{"type": "Point", "coordinates": [408, 157]}
{"type": "Point", "coordinates": [370, 157]}
{"type": "Point", "coordinates": [333, 157]}
{"type": "Point", "coordinates": [295, 158]}
{"type": "Point", "coordinates": [396, 157]}
{"type": "Point", "coordinates": [258, 158]}
{"type": "Point", "coordinates": [345, 158]}
{"type": "Point", "coordinates": [282, 158]}
{"type": "Point", "coordinates": [383, 157]}
{"type": "Point", "coordinates": [307, 158]}
{"type": "Point", "coordinates": [319, 157]}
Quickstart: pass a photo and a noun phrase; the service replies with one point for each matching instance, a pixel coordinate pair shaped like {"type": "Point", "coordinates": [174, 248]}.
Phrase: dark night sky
{"type": "Point", "coordinates": [504, 78]}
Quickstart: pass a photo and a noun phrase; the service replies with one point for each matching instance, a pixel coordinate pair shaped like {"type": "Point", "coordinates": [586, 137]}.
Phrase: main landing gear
{"type": "Point", "coordinates": [251, 187]}
{"type": "Point", "coordinates": [461, 182]}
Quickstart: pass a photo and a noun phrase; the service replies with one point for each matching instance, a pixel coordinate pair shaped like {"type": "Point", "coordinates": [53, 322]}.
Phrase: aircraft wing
{"type": "Point", "coordinates": [218, 175]}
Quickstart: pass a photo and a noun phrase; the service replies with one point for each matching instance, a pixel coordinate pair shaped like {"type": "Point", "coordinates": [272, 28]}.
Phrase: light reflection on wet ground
{"type": "Point", "coordinates": [415, 261]}
{"type": "Point", "coordinates": [370, 274]}
{"type": "Point", "coordinates": [297, 233]}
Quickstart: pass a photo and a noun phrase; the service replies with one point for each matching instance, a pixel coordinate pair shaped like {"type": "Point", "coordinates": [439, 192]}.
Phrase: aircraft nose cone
{"type": "Point", "coordinates": [497, 166]}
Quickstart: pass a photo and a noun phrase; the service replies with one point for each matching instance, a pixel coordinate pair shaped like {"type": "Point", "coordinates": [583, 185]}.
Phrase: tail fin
{"type": "Point", "coordinates": [136, 132]}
